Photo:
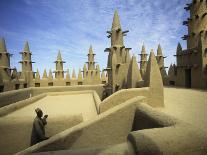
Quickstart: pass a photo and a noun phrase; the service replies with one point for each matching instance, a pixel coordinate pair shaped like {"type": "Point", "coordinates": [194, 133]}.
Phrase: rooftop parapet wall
{"type": "Point", "coordinates": [122, 96]}
{"type": "Point", "coordinates": [22, 94]}
{"type": "Point", "coordinates": [102, 130]}
{"type": "Point", "coordinates": [13, 96]}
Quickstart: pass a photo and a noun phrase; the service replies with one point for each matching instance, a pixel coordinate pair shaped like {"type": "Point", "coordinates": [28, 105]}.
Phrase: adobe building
{"type": "Point", "coordinates": [160, 60]}
{"type": "Point", "coordinates": [121, 68]}
{"type": "Point", "coordinates": [191, 68]}
{"type": "Point", "coordinates": [11, 79]}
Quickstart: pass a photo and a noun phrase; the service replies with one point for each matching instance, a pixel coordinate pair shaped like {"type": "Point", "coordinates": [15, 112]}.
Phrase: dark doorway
{"type": "Point", "coordinates": [188, 78]}
{"type": "Point", "coordinates": [17, 86]}
{"type": "Point", "coordinates": [172, 83]}
{"type": "Point", "coordinates": [1, 88]}
{"type": "Point", "coordinates": [25, 85]}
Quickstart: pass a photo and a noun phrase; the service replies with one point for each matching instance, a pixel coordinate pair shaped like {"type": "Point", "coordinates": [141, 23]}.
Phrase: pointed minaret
{"type": "Point", "coordinates": [5, 69]}
{"type": "Point", "coordinates": [91, 62]}
{"type": "Point", "coordinates": [171, 71]}
{"type": "Point", "coordinates": [50, 77]}
{"type": "Point", "coordinates": [116, 32]}
{"type": "Point", "coordinates": [84, 71]}
{"type": "Point", "coordinates": [27, 63]}
{"type": "Point", "coordinates": [143, 61]}
{"type": "Point", "coordinates": [44, 74]}
{"type": "Point", "coordinates": [118, 58]}
{"type": "Point", "coordinates": [178, 53]}
{"type": "Point", "coordinates": [67, 75]}
{"type": "Point", "coordinates": [80, 78]}
{"type": "Point", "coordinates": [73, 74]}
{"type": "Point", "coordinates": [160, 60]}
{"type": "Point", "coordinates": [154, 81]}
{"type": "Point", "coordinates": [134, 76]}
{"type": "Point", "coordinates": [37, 77]}
{"type": "Point", "coordinates": [59, 72]}
{"type": "Point", "coordinates": [179, 49]}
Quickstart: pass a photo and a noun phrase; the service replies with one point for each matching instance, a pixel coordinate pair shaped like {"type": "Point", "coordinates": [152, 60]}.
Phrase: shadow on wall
{"type": "Point", "coordinates": [16, 132]}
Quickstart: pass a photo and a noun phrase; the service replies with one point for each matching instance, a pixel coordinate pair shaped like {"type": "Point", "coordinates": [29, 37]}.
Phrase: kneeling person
{"type": "Point", "coordinates": [38, 129]}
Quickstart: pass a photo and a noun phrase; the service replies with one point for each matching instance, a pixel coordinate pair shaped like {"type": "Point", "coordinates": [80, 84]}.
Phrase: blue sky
{"type": "Point", "coordinates": [71, 26]}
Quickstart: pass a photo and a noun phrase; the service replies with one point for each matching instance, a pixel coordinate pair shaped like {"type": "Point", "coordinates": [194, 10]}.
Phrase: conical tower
{"type": "Point", "coordinates": [73, 74]}
{"type": "Point", "coordinates": [37, 76]}
{"type": "Point", "coordinates": [84, 71]}
{"type": "Point", "coordinates": [118, 58]}
{"type": "Point", "coordinates": [134, 76]}
{"type": "Point", "coordinates": [67, 75]}
{"type": "Point", "coordinates": [44, 74]}
{"type": "Point", "coordinates": [154, 81]}
{"type": "Point", "coordinates": [143, 61]}
{"type": "Point", "coordinates": [59, 72]}
{"type": "Point", "coordinates": [160, 60]}
{"type": "Point", "coordinates": [179, 53]}
{"type": "Point", "coordinates": [5, 69]}
{"type": "Point", "coordinates": [80, 77]}
{"type": "Point", "coordinates": [50, 77]}
{"type": "Point", "coordinates": [91, 62]}
{"type": "Point", "coordinates": [27, 64]}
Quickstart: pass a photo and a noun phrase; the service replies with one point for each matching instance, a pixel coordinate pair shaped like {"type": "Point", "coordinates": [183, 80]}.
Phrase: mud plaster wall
{"type": "Point", "coordinates": [106, 129]}
{"type": "Point", "coordinates": [7, 98]}
{"type": "Point", "coordinates": [122, 96]}
{"type": "Point", "coordinates": [16, 132]}
{"type": "Point", "coordinates": [14, 96]}
{"type": "Point", "coordinates": [98, 88]}
{"type": "Point", "coordinates": [157, 133]}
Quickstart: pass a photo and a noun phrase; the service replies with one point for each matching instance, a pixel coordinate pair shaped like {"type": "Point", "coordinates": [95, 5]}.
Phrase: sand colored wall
{"type": "Point", "coordinates": [18, 95]}
{"type": "Point", "coordinates": [17, 105]}
{"type": "Point", "coordinates": [118, 149]}
{"type": "Point", "coordinates": [157, 133]}
{"type": "Point", "coordinates": [17, 131]}
{"type": "Point", "coordinates": [154, 82]}
{"type": "Point", "coordinates": [98, 88]}
{"type": "Point", "coordinates": [7, 98]}
{"type": "Point", "coordinates": [122, 96]}
{"type": "Point", "coordinates": [106, 129]}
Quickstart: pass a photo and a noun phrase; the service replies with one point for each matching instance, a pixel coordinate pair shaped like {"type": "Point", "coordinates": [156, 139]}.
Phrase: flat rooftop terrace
{"type": "Point", "coordinates": [189, 105]}
{"type": "Point", "coordinates": [60, 105]}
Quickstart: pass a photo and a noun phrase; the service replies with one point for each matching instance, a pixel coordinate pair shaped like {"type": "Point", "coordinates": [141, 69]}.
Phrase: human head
{"type": "Point", "coordinates": [39, 112]}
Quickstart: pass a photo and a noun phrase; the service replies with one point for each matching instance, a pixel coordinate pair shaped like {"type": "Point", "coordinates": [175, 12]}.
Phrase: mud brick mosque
{"type": "Point", "coordinates": [124, 109]}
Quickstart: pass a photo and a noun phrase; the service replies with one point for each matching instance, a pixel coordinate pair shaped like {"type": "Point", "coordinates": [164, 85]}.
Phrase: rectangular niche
{"type": "Point", "coordinates": [80, 83]}
{"type": "Point", "coordinates": [67, 83]}
{"type": "Point", "coordinates": [17, 86]}
{"type": "Point", "coordinates": [37, 84]}
{"type": "Point", "coordinates": [50, 84]}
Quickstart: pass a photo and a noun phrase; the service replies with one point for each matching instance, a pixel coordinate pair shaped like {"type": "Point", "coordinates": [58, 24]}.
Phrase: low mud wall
{"type": "Point", "coordinates": [107, 128]}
